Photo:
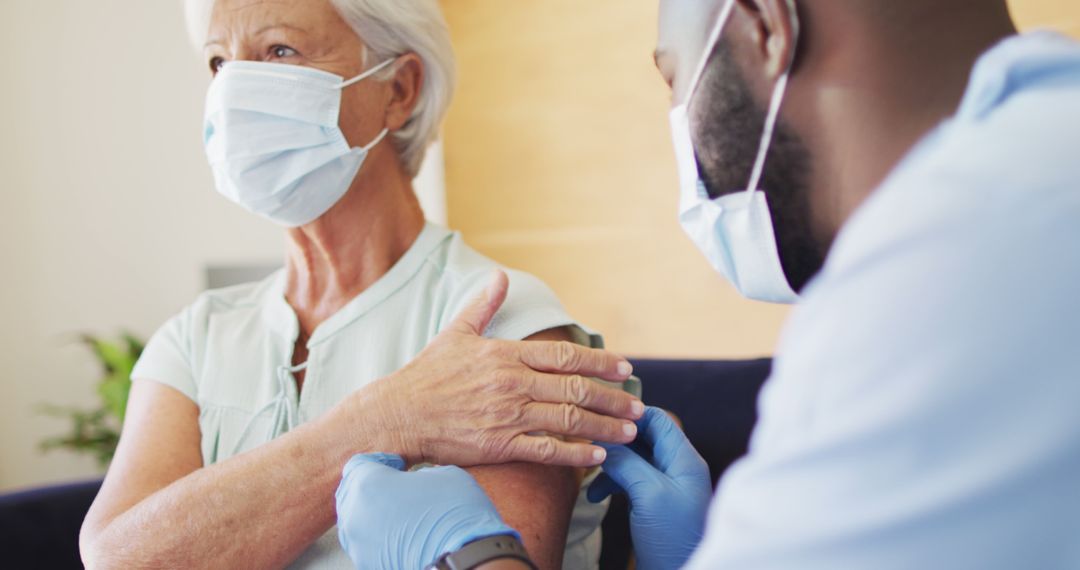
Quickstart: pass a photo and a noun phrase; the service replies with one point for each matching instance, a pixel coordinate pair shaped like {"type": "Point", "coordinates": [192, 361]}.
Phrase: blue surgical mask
{"type": "Point", "coordinates": [273, 141]}
{"type": "Point", "coordinates": [734, 231]}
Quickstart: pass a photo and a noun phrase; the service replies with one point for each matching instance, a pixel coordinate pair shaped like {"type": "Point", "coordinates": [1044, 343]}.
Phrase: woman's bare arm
{"type": "Point", "coordinates": [159, 507]}
{"type": "Point", "coordinates": [536, 500]}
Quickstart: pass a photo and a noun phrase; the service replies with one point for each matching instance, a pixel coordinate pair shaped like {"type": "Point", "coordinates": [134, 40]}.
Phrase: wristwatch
{"type": "Point", "coordinates": [483, 551]}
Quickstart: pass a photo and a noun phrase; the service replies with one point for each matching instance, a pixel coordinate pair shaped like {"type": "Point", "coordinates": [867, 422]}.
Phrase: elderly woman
{"type": "Point", "coordinates": [247, 405]}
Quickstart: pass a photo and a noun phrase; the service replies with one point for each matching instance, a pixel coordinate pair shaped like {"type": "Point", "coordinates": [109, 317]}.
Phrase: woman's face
{"type": "Point", "coordinates": [301, 32]}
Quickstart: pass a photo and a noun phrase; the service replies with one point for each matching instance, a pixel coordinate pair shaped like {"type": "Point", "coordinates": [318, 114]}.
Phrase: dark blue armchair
{"type": "Point", "coordinates": [40, 528]}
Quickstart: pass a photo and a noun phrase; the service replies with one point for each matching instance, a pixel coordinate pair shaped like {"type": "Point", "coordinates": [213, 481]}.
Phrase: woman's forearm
{"type": "Point", "coordinates": [261, 509]}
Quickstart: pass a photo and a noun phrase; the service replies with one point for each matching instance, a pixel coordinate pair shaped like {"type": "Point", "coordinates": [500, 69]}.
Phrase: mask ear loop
{"type": "Point", "coordinates": [775, 105]}
{"type": "Point", "coordinates": [382, 135]}
{"type": "Point", "coordinates": [378, 139]}
{"type": "Point", "coordinates": [367, 73]}
{"type": "Point", "coordinates": [767, 135]}
{"type": "Point", "coordinates": [710, 45]}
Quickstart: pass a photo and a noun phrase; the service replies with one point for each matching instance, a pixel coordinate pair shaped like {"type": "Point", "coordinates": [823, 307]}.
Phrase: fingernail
{"type": "Point", "coordinates": [625, 368]}
{"type": "Point", "coordinates": [629, 429]}
{"type": "Point", "coordinates": [637, 407]}
{"type": "Point", "coordinates": [599, 455]}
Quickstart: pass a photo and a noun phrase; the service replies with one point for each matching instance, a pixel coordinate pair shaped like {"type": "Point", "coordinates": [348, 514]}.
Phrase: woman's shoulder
{"type": "Point", "coordinates": [212, 304]}
{"type": "Point", "coordinates": [233, 297]}
{"type": "Point", "coordinates": [175, 353]}
{"type": "Point", "coordinates": [530, 306]}
{"type": "Point", "coordinates": [467, 271]}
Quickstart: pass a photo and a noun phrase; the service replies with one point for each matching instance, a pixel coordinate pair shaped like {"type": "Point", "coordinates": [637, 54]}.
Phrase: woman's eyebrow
{"type": "Point", "coordinates": [271, 27]}
{"type": "Point", "coordinates": [258, 32]}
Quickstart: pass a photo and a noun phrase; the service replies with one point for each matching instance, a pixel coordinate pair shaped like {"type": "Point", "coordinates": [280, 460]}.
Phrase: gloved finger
{"type": "Point", "coordinates": [446, 475]}
{"type": "Point", "coordinates": [630, 471]}
{"type": "Point", "coordinates": [671, 449]}
{"type": "Point", "coordinates": [374, 460]}
{"type": "Point", "coordinates": [601, 488]}
{"type": "Point", "coordinates": [363, 467]}
{"type": "Point", "coordinates": [641, 448]}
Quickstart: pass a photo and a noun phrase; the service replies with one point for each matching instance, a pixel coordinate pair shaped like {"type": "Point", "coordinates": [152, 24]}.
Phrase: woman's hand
{"type": "Point", "coordinates": [468, 400]}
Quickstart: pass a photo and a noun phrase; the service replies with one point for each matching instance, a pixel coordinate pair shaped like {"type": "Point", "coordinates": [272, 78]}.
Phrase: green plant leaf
{"type": "Point", "coordinates": [114, 357]}
{"type": "Point", "coordinates": [114, 394]}
{"type": "Point", "coordinates": [97, 431]}
{"type": "Point", "coordinates": [135, 346]}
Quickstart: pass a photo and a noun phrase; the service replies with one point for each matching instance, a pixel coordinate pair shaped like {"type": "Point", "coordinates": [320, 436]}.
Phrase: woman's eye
{"type": "Point", "coordinates": [282, 52]}
{"type": "Point", "coordinates": [215, 64]}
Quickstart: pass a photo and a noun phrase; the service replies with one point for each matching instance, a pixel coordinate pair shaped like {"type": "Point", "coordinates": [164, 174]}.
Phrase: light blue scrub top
{"type": "Point", "coordinates": [924, 410]}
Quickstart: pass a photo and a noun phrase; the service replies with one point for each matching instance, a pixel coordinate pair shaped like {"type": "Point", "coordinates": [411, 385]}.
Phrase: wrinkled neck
{"type": "Point", "coordinates": [338, 256]}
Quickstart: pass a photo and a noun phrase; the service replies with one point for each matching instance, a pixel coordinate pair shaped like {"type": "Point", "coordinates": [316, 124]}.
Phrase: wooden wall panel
{"type": "Point", "coordinates": [1062, 15]}
{"type": "Point", "coordinates": [559, 162]}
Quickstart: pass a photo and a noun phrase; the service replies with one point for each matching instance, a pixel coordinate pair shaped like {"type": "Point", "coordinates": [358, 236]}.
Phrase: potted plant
{"type": "Point", "coordinates": [97, 431]}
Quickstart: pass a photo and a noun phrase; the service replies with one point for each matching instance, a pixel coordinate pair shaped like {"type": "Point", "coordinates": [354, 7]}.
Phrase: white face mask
{"type": "Point", "coordinates": [734, 231]}
{"type": "Point", "coordinates": [272, 138]}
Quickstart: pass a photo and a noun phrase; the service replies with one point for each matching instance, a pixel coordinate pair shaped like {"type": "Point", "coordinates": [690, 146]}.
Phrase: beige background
{"type": "Point", "coordinates": [557, 155]}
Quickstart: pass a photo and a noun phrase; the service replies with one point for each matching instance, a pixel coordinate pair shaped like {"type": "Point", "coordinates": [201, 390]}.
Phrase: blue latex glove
{"type": "Point", "coordinates": [389, 518]}
{"type": "Point", "coordinates": [669, 487]}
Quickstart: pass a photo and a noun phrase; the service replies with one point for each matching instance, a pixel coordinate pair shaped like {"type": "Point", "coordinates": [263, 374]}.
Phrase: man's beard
{"type": "Point", "coordinates": [728, 125]}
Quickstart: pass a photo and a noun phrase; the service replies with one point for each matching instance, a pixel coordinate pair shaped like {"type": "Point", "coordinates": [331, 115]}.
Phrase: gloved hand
{"type": "Point", "coordinates": [388, 518]}
{"type": "Point", "coordinates": [669, 487]}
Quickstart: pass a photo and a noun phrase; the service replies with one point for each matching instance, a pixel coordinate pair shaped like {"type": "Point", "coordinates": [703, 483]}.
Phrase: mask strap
{"type": "Point", "coordinates": [774, 108]}
{"type": "Point", "coordinates": [375, 142]}
{"type": "Point", "coordinates": [767, 136]}
{"type": "Point", "coordinates": [710, 44]}
{"type": "Point", "coordinates": [367, 74]}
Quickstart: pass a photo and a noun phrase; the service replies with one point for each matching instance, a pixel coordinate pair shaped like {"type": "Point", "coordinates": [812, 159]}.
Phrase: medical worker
{"type": "Point", "coordinates": [909, 171]}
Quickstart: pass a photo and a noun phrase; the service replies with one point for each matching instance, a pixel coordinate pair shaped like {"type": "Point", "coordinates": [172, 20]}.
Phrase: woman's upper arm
{"type": "Point", "coordinates": [159, 444]}
{"type": "Point", "coordinates": [536, 500]}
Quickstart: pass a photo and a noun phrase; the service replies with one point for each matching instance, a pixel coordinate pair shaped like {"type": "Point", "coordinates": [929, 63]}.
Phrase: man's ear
{"type": "Point", "coordinates": [770, 30]}
{"type": "Point", "coordinates": [405, 89]}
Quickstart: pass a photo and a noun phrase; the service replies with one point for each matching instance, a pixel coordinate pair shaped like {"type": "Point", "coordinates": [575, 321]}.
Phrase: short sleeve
{"type": "Point", "coordinates": [530, 307]}
{"type": "Point", "coordinates": [167, 357]}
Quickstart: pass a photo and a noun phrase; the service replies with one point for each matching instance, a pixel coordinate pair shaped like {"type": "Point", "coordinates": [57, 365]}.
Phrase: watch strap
{"type": "Point", "coordinates": [483, 551]}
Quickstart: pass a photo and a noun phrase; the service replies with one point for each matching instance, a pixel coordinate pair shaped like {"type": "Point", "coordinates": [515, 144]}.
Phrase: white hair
{"type": "Point", "coordinates": [388, 28]}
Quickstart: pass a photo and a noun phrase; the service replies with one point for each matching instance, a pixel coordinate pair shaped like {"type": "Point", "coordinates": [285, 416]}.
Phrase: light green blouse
{"type": "Point", "coordinates": [230, 353]}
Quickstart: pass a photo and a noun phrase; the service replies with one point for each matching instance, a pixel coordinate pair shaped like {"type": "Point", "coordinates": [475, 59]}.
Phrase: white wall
{"type": "Point", "coordinates": [109, 216]}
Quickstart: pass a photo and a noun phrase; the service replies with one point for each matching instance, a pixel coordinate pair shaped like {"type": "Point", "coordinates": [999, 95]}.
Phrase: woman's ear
{"type": "Point", "coordinates": [769, 30]}
{"type": "Point", "coordinates": [405, 89]}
